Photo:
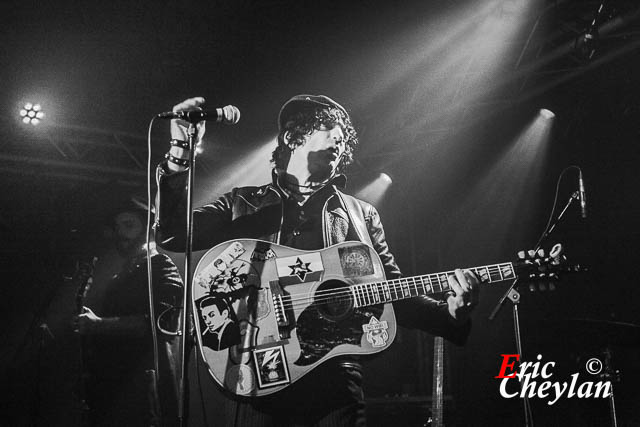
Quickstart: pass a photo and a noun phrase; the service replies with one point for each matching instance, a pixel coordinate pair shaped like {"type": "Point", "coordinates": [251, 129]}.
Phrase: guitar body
{"type": "Point", "coordinates": [266, 314]}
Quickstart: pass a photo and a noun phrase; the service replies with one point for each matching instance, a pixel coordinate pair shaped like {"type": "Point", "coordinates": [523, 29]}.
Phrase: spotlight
{"type": "Point", "coordinates": [386, 178]}
{"type": "Point", "coordinates": [374, 191]}
{"type": "Point", "coordinates": [31, 113]}
{"type": "Point", "coordinates": [547, 114]}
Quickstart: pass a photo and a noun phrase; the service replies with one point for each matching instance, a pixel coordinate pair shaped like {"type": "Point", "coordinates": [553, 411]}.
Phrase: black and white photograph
{"type": "Point", "coordinates": [426, 211]}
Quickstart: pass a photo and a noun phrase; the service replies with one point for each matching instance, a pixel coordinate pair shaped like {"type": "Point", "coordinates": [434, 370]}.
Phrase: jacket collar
{"type": "Point", "coordinates": [339, 181]}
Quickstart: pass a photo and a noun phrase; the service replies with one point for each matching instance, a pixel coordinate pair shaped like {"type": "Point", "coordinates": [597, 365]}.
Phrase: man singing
{"type": "Point", "coordinates": [304, 208]}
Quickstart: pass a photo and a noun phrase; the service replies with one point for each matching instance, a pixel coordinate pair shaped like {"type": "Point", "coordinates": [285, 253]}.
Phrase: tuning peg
{"type": "Point", "coordinates": [556, 251]}
{"type": "Point", "coordinates": [531, 253]}
{"type": "Point", "coordinates": [541, 253]}
{"type": "Point", "coordinates": [521, 255]}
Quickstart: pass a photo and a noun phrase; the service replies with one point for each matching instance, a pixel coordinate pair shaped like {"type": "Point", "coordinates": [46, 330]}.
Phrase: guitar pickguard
{"type": "Point", "coordinates": [318, 336]}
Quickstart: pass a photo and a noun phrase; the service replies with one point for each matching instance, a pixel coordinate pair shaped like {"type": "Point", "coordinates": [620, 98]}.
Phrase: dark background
{"type": "Point", "coordinates": [441, 92]}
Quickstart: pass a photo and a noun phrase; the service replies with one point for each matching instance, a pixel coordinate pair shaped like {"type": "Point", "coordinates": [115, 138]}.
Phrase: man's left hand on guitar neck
{"type": "Point", "coordinates": [464, 294]}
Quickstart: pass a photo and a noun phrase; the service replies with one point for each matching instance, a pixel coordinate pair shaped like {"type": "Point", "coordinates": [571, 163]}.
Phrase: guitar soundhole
{"type": "Point", "coordinates": [333, 300]}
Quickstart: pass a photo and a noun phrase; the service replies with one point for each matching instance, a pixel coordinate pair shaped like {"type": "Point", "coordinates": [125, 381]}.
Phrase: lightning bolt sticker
{"type": "Point", "coordinates": [271, 366]}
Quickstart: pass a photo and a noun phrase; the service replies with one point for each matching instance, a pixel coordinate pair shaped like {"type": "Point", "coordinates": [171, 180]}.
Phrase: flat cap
{"type": "Point", "coordinates": [301, 102]}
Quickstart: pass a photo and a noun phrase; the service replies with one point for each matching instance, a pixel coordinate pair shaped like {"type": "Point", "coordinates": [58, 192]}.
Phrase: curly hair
{"type": "Point", "coordinates": [304, 123]}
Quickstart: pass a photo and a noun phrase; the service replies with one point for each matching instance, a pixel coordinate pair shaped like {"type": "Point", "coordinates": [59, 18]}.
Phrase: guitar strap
{"type": "Point", "coordinates": [356, 216]}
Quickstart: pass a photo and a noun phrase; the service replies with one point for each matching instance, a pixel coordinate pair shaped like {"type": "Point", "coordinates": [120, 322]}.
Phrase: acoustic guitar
{"type": "Point", "coordinates": [266, 315]}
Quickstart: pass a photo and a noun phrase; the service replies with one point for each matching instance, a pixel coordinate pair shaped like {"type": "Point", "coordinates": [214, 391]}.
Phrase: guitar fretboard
{"type": "Point", "coordinates": [366, 294]}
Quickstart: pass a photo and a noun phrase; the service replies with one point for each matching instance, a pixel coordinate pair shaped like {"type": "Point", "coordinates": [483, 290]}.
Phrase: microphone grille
{"type": "Point", "coordinates": [231, 115]}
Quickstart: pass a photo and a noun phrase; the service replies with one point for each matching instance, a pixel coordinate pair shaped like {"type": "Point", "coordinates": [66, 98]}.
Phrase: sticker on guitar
{"type": "Point", "coordinates": [240, 379]}
{"type": "Point", "coordinates": [213, 274]}
{"type": "Point", "coordinates": [356, 261]}
{"type": "Point", "coordinates": [262, 255]}
{"type": "Point", "coordinates": [376, 331]}
{"type": "Point", "coordinates": [306, 267]}
{"type": "Point", "coordinates": [220, 329]}
{"type": "Point", "coordinates": [272, 367]}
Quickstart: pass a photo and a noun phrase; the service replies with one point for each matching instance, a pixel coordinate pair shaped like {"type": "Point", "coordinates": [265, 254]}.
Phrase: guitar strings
{"type": "Point", "coordinates": [401, 288]}
{"type": "Point", "coordinates": [366, 294]}
{"type": "Point", "coordinates": [363, 296]}
{"type": "Point", "coordinates": [369, 290]}
{"type": "Point", "coordinates": [422, 281]}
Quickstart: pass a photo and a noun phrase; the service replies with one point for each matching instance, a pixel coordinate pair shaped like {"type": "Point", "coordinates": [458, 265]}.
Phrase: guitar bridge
{"type": "Point", "coordinates": [281, 312]}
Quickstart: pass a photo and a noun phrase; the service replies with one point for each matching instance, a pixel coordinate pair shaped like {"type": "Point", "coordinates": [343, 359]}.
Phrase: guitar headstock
{"type": "Point", "coordinates": [542, 271]}
{"type": "Point", "coordinates": [84, 271]}
{"type": "Point", "coordinates": [84, 268]}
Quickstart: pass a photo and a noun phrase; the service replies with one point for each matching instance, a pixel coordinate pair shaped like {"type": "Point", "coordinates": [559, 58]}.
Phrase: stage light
{"type": "Point", "coordinates": [374, 192]}
{"type": "Point", "coordinates": [547, 114]}
{"type": "Point", "coordinates": [31, 113]}
{"type": "Point", "coordinates": [248, 167]}
{"type": "Point", "coordinates": [502, 199]}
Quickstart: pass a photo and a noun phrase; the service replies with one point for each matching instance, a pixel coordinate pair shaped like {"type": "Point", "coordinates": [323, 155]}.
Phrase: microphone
{"type": "Point", "coordinates": [582, 196]}
{"type": "Point", "coordinates": [228, 115]}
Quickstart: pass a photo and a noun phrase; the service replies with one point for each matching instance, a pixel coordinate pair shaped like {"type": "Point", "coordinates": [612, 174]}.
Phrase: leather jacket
{"type": "Point", "coordinates": [257, 212]}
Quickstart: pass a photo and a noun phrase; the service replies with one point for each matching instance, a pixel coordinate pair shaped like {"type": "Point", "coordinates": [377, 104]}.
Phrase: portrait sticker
{"type": "Point", "coordinates": [218, 323]}
{"type": "Point", "coordinates": [271, 366]}
{"type": "Point", "coordinates": [301, 268]}
{"type": "Point", "coordinates": [356, 261]}
{"type": "Point", "coordinates": [376, 332]}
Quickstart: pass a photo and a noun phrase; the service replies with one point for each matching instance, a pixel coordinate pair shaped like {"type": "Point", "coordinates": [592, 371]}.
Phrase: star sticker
{"type": "Point", "coordinates": [300, 269]}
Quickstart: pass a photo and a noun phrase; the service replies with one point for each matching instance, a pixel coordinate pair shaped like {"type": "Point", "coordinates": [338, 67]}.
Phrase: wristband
{"type": "Point", "coordinates": [176, 160]}
{"type": "Point", "coordinates": [178, 143]}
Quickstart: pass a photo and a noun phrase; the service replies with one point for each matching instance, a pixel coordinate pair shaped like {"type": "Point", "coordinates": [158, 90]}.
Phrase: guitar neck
{"type": "Point", "coordinates": [365, 294]}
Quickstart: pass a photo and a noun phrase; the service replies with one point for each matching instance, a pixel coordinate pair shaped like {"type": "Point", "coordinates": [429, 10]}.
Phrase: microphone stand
{"type": "Point", "coordinates": [183, 385]}
{"type": "Point", "coordinates": [514, 296]}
